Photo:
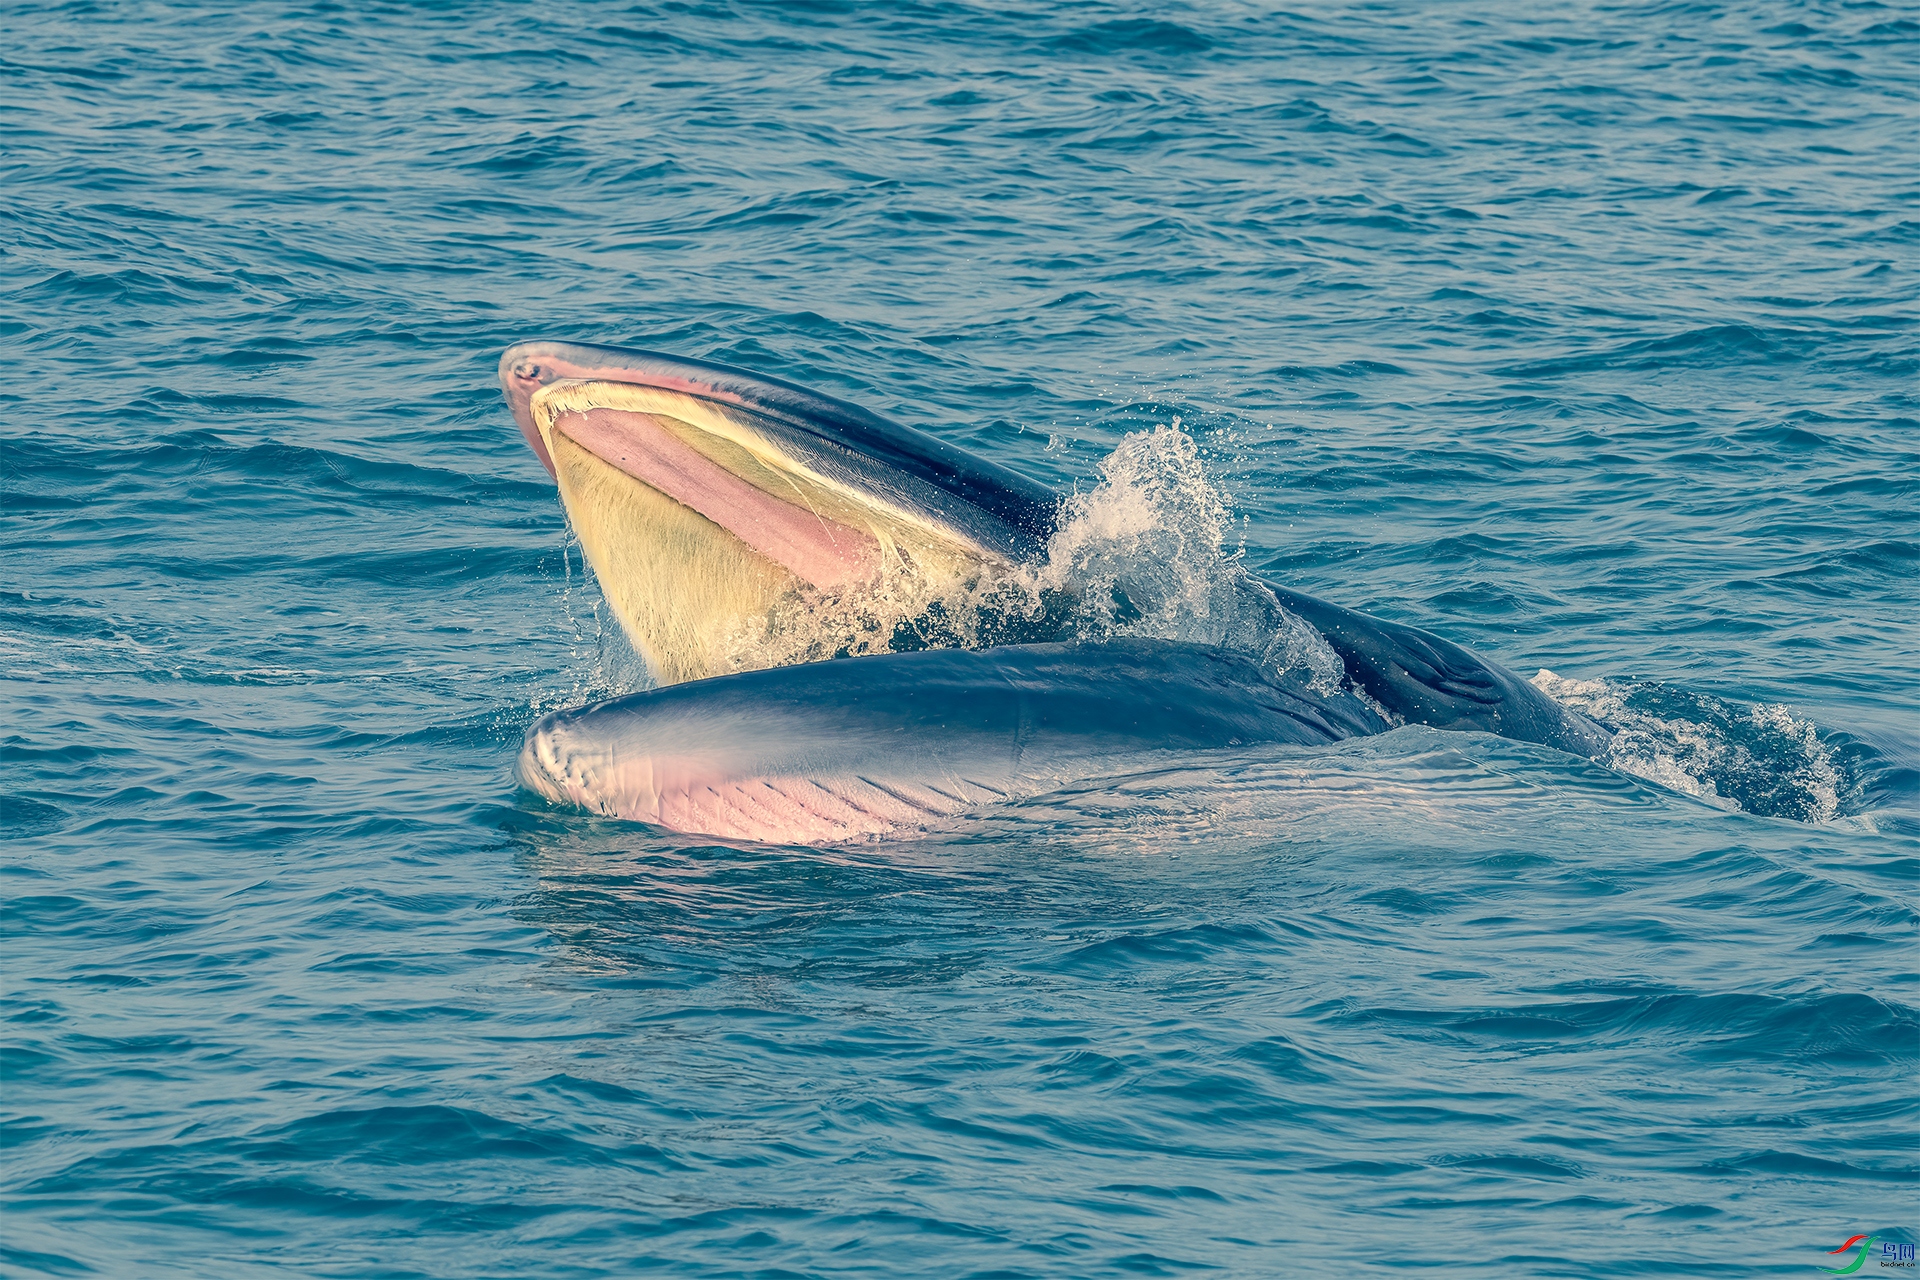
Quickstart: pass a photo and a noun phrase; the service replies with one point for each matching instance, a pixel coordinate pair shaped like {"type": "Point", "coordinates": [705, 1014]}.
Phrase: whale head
{"type": "Point", "coordinates": [709, 500]}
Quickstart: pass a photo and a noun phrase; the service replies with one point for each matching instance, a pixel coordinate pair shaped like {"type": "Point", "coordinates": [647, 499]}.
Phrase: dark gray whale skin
{"type": "Point", "coordinates": [1414, 675]}
{"type": "Point", "coordinates": [1052, 700]}
{"type": "Point", "coordinates": [1424, 679]}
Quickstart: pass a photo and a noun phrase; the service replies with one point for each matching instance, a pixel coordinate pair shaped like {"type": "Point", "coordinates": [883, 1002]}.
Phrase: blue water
{"type": "Point", "coordinates": [1584, 335]}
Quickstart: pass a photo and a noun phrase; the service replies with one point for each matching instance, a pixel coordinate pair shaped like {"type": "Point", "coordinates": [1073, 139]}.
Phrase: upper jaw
{"type": "Point", "coordinates": [1004, 510]}
{"type": "Point", "coordinates": [742, 484]}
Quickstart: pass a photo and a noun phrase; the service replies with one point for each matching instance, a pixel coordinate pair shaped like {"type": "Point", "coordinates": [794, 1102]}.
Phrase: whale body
{"type": "Point", "coordinates": [714, 504]}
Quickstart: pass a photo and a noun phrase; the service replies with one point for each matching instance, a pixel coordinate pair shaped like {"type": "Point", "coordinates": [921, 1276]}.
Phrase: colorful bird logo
{"type": "Point", "coordinates": [1858, 1262]}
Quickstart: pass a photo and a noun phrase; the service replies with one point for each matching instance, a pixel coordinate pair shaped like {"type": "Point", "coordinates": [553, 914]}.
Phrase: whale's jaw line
{"type": "Point", "coordinates": [1020, 512]}
{"type": "Point", "coordinates": [709, 501]}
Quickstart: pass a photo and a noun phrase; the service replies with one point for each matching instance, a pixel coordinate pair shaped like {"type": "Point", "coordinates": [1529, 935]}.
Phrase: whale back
{"type": "Point", "coordinates": [1423, 679]}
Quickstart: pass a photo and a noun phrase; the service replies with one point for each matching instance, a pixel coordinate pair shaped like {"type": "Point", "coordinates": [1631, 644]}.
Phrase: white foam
{"type": "Point", "coordinates": [1153, 533]}
{"type": "Point", "coordinates": [1763, 751]}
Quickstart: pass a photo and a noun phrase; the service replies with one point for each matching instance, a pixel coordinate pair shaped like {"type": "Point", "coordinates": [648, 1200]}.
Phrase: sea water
{"type": "Point", "coordinates": [1580, 334]}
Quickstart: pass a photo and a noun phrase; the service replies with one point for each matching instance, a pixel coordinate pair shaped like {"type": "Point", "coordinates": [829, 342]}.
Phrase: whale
{"type": "Point", "coordinates": [718, 507]}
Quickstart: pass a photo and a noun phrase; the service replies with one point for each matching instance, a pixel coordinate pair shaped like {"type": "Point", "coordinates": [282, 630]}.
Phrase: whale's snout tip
{"type": "Point", "coordinates": [522, 368]}
{"type": "Point", "coordinates": [524, 371]}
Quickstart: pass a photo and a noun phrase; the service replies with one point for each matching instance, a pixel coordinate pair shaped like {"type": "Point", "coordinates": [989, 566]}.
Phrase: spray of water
{"type": "Point", "coordinates": [1762, 759]}
{"type": "Point", "coordinates": [1144, 551]}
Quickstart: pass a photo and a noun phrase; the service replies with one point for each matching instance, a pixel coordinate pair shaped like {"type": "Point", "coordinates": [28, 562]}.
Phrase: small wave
{"type": "Point", "coordinates": [1134, 35]}
{"type": "Point", "coordinates": [1761, 759]}
{"type": "Point", "coordinates": [1711, 346]}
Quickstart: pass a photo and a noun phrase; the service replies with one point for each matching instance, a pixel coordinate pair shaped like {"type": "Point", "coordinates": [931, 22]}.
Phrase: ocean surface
{"type": "Point", "coordinates": [1583, 334]}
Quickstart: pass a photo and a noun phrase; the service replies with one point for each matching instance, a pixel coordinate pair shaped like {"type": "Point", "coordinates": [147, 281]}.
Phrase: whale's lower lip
{"type": "Point", "coordinates": [871, 746]}
{"type": "Point", "coordinates": [542, 770]}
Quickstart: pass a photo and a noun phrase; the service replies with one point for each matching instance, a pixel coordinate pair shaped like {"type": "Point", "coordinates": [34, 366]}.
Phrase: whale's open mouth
{"type": "Point", "coordinates": [710, 502]}
{"type": "Point", "coordinates": [701, 527]}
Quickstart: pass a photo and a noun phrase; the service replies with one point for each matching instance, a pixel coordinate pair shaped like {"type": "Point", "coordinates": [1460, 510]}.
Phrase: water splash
{"type": "Point", "coordinates": [605, 663]}
{"type": "Point", "coordinates": [1144, 550]}
{"type": "Point", "coordinates": [1761, 759]}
